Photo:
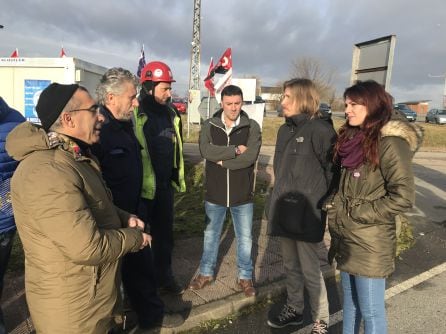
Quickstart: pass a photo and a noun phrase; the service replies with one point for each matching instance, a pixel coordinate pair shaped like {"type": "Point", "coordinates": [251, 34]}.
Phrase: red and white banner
{"type": "Point", "coordinates": [62, 53]}
{"type": "Point", "coordinates": [209, 83]}
{"type": "Point", "coordinates": [15, 54]}
{"type": "Point", "coordinates": [223, 65]}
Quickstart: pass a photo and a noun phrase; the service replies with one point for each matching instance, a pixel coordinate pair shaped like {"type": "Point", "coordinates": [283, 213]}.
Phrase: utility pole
{"type": "Point", "coordinates": [444, 91]}
{"type": "Point", "coordinates": [194, 71]}
{"type": "Point", "coordinates": [194, 79]}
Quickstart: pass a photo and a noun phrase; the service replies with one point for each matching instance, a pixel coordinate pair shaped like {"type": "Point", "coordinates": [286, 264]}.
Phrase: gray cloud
{"type": "Point", "coordinates": [265, 36]}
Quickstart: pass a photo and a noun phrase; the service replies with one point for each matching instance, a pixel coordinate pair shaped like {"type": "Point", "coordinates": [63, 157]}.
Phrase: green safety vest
{"type": "Point", "coordinates": [149, 181]}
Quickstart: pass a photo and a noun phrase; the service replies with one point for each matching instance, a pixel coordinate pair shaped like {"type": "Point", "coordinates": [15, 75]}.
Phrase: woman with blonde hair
{"type": "Point", "coordinates": [303, 173]}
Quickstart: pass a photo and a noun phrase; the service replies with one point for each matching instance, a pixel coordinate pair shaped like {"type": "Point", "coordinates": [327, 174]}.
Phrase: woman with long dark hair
{"type": "Point", "coordinates": [376, 185]}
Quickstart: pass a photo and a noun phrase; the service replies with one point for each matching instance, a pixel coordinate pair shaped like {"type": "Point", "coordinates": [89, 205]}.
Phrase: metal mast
{"type": "Point", "coordinates": [194, 74]}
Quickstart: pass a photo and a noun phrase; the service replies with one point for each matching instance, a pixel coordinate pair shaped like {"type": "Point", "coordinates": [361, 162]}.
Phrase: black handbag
{"type": "Point", "coordinates": [291, 211]}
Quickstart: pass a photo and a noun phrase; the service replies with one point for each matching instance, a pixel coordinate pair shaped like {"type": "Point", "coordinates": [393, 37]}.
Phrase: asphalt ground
{"type": "Point", "coordinates": [224, 298]}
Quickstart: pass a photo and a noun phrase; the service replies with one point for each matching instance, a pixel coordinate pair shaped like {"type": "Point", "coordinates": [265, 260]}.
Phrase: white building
{"type": "Point", "coordinates": [23, 79]}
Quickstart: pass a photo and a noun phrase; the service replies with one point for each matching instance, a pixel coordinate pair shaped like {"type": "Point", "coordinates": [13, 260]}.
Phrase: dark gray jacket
{"type": "Point", "coordinates": [303, 171]}
{"type": "Point", "coordinates": [232, 183]}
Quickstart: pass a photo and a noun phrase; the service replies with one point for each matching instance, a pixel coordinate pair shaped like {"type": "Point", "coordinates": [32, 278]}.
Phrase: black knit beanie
{"type": "Point", "coordinates": [51, 102]}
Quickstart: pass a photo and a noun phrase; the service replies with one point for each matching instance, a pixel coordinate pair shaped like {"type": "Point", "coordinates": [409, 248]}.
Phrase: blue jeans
{"type": "Point", "coordinates": [364, 299]}
{"type": "Point", "coordinates": [242, 220]}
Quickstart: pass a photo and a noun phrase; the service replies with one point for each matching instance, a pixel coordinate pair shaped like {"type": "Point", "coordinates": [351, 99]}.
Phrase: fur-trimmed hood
{"type": "Point", "coordinates": [410, 132]}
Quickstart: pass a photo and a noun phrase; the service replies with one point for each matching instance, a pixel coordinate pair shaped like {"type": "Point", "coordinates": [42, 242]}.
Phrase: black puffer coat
{"type": "Point", "coordinates": [303, 173]}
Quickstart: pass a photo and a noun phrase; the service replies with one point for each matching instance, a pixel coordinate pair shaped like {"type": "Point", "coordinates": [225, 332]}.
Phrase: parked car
{"type": "Point", "coordinates": [436, 115]}
{"type": "Point", "coordinates": [180, 104]}
{"type": "Point", "coordinates": [409, 113]}
{"type": "Point", "coordinates": [324, 109]}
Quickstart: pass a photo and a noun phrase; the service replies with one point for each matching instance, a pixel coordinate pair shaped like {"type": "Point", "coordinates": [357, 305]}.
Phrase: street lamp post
{"type": "Point", "coordinates": [444, 90]}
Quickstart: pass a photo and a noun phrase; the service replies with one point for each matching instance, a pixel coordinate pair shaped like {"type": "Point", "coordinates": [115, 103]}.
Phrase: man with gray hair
{"type": "Point", "coordinates": [119, 155]}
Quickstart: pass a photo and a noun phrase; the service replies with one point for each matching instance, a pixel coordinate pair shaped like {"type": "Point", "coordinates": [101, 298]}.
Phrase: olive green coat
{"type": "Point", "coordinates": [72, 234]}
{"type": "Point", "coordinates": [361, 215]}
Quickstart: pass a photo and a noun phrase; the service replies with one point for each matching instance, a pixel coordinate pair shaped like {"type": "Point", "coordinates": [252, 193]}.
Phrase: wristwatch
{"type": "Point", "coordinates": [237, 150]}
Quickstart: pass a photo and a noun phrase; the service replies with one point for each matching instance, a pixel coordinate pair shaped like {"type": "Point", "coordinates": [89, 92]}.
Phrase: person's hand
{"type": "Point", "coordinates": [135, 222]}
{"type": "Point", "coordinates": [220, 163]}
{"type": "Point", "coordinates": [242, 148]}
{"type": "Point", "coordinates": [146, 240]}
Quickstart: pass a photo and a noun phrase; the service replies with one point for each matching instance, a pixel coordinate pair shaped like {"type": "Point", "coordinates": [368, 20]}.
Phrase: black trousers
{"type": "Point", "coordinates": [140, 285]}
{"type": "Point", "coordinates": [6, 240]}
{"type": "Point", "coordinates": [159, 214]}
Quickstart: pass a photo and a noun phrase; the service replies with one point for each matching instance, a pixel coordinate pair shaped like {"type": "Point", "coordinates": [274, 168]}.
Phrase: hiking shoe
{"type": "Point", "coordinates": [171, 287]}
{"type": "Point", "coordinates": [247, 287]}
{"type": "Point", "coordinates": [319, 327]}
{"type": "Point", "coordinates": [200, 282]}
{"type": "Point", "coordinates": [288, 316]}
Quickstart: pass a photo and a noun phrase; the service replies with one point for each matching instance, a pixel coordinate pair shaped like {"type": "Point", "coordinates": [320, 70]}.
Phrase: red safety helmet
{"type": "Point", "coordinates": [156, 71]}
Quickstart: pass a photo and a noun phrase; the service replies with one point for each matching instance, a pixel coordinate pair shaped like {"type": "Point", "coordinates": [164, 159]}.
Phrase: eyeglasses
{"type": "Point", "coordinates": [94, 109]}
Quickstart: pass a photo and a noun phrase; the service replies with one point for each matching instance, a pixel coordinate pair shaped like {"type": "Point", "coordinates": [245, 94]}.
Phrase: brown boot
{"type": "Point", "coordinates": [247, 287]}
{"type": "Point", "coordinates": [200, 281]}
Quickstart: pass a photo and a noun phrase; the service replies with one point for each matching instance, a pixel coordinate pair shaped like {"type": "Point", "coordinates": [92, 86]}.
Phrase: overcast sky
{"type": "Point", "coordinates": [266, 36]}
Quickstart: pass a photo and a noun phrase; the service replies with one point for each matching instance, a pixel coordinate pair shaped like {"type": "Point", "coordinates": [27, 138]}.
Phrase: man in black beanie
{"type": "Point", "coordinates": [52, 101]}
{"type": "Point", "coordinates": [72, 233]}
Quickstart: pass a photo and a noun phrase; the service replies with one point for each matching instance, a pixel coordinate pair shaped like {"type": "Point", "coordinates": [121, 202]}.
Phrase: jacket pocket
{"type": "Point", "coordinates": [291, 210]}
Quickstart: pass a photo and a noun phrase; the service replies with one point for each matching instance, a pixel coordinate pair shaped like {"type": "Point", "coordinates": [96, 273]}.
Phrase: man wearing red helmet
{"type": "Point", "coordinates": [159, 132]}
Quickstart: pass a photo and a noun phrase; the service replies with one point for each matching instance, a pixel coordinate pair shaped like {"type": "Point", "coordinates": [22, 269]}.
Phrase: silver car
{"type": "Point", "coordinates": [437, 116]}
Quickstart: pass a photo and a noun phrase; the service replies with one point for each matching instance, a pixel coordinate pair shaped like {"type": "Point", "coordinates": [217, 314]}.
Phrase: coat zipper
{"type": "Point", "coordinates": [227, 179]}
{"type": "Point", "coordinates": [227, 170]}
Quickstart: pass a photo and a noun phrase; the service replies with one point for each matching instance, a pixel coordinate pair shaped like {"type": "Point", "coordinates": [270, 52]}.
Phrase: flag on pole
{"type": "Point", "coordinates": [209, 83]}
{"type": "Point", "coordinates": [223, 65]}
{"type": "Point", "coordinates": [15, 54]}
{"type": "Point", "coordinates": [62, 53]}
{"type": "Point", "coordinates": [141, 62]}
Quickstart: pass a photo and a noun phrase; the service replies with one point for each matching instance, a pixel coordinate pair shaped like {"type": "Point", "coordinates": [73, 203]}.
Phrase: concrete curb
{"type": "Point", "coordinates": [219, 309]}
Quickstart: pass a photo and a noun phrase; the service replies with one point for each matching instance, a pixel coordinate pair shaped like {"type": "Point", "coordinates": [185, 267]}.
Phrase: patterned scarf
{"type": "Point", "coordinates": [351, 152]}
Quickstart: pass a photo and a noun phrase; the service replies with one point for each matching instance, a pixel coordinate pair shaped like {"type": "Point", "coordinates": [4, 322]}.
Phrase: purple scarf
{"type": "Point", "coordinates": [351, 152]}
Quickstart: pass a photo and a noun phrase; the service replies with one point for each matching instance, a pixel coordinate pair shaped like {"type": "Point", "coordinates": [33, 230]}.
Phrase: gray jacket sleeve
{"type": "Point", "coordinates": [210, 151]}
{"type": "Point", "coordinates": [249, 157]}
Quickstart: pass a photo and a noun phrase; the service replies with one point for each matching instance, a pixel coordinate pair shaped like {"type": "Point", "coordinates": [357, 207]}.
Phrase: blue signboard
{"type": "Point", "coordinates": [33, 88]}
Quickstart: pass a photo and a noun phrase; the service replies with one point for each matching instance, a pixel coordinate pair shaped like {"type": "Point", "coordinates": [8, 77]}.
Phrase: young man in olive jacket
{"type": "Point", "coordinates": [72, 233]}
{"type": "Point", "coordinates": [230, 142]}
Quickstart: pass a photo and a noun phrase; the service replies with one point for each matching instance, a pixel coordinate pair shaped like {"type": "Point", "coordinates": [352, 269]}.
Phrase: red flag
{"type": "Point", "coordinates": [62, 53]}
{"type": "Point", "coordinates": [209, 83]}
{"type": "Point", "coordinates": [223, 65]}
{"type": "Point", "coordinates": [15, 54]}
